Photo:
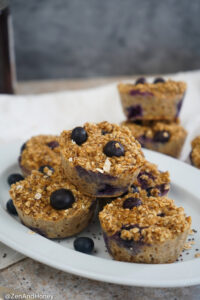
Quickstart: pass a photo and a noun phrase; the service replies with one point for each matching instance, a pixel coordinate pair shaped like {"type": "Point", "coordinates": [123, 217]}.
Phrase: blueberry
{"type": "Point", "coordinates": [22, 147]}
{"type": "Point", "coordinates": [11, 208]}
{"type": "Point", "coordinates": [131, 202]}
{"type": "Point", "coordinates": [134, 189]}
{"type": "Point", "coordinates": [84, 244]}
{"type": "Point", "coordinates": [161, 136]}
{"type": "Point", "coordinates": [53, 144]}
{"type": "Point", "coordinates": [134, 111]}
{"type": "Point", "coordinates": [79, 135]}
{"type": "Point", "coordinates": [148, 190]}
{"type": "Point", "coordinates": [13, 178]}
{"type": "Point", "coordinates": [159, 80]}
{"type": "Point", "coordinates": [41, 169]}
{"type": "Point", "coordinates": [113, 148]}
{"type": "Point", "coordinates": [62, 199]}
{"type": "Point", "coordinates": [140, 80]}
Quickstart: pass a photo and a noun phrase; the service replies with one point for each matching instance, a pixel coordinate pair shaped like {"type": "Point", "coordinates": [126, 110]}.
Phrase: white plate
{"type": "Point", "coordinates": [99, 266]}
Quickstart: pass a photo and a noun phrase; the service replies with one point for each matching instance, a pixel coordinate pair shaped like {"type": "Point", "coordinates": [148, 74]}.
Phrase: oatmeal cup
{"type": "Point", "coordinates": [195, 152]}
{"type": "Point", "coordinates": [38, 152]}
{"type": "Point", "coordinates": [102, 159]}
{"type": "Point", "coordinates": [52, 206]}
{"type": "Point", "coordinates": [143, 229]}
{"type": "Point", "coordinates": [161, 100]}
{"type": "Point", "coordinates": [166, 138]}
{"type": "Point", "coordinates": [150, 180]}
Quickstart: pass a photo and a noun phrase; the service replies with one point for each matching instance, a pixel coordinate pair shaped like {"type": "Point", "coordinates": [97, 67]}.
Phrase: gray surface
{"type": "Point", "coordinates": [85, 38]}
{"type": "Point", "coordinates": [32, 277]}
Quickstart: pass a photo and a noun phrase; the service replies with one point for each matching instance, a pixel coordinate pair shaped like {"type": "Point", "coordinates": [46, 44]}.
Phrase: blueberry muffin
{"type": "Point", "coordinates": [161, 100]}
{"type": "Point", "coordinates": [40, 151]}
{"type": "Point", "coordinates": [102, 159]}
{"type": "Point", "coordinates": [150, 180]}
{"type": "Point", "coordinates": [195, 153]}
{"type": "Point", "coordinates": [143, 229]}
{"type": "Point", "coordinates": [167, 138]}
{"type": "Point", "coordinates": [50, 205]}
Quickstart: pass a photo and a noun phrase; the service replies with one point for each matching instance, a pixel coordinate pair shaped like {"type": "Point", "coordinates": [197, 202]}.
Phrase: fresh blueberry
{"type": "Point", "coordinates": [134, 189]}
{"type": "Point", "coordinates": [140, 80]}
{"type": "Point", "coordinates": [79, 135]}
{"type": "Point", "coordinates": [113, 148]}
{"type": "Point", "coordinates": [22, 147]}
{"type": "Point", "coordinates": [13, 178]}
{"type": "Point", "coordinates": [41, 169]}
{"type": "Point", "coordinates": [161, 136]}
{"type": "Point", "coordinates": [53, 144]}
{"type": "Point", "coordinates": [131, 202]}
{"type": "Point", "coordinates": [84, 244]}
{"type": "Point", "coordinates": [62, 199]}
{"type": "Point", "coordinates": [159, 80]}
{"type": "Point", "coordinates": [11, 208]}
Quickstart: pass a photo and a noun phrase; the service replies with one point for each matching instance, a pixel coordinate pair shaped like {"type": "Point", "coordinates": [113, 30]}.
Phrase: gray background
{"type": "Point", "coordinates": [85, 38]}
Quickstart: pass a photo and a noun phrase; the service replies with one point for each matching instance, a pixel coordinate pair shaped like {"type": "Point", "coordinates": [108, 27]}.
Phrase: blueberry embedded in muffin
{"type": "Point", "coordinates": [39, 151]}
{"type": "Point", "coordinates": [103, 160]}
{"type": "Point", "coordinates": [160, 100]}
{"type": "Point", "coordinates": [51, 205]}
{"type": "Point", "coordinates": [167, 138]}
{"type": "Point", "coordinates": [143, 229]}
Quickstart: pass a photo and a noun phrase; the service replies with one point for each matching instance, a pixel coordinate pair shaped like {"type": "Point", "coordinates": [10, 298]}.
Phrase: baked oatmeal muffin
{"type": "Point", "coordinates": [102, 159]}
{"type": "Point", "coordinates": [154, 182]}
{"type": "Point", "coordinates": [143, 229]}
{"type": "Point", "coordinates": [50, 205]}
{"type": "Point", "coordinates": [195, 153]}
{"type": "Point", "coordinates": [167, 138]}
{"type": "Point", "coordinates": [161, 100]}
{"type": "Point", "coordinates": [40, 151]}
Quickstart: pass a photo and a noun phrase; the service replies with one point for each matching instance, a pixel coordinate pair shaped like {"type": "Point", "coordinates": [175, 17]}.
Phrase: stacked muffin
{"type": "Point", "coordinates": [152, 111]}
{"type": "Point", "coordinates": [66, 176]}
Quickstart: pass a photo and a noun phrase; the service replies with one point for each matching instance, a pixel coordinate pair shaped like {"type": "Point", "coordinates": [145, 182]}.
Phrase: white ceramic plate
{"type": "Point", "coordinates": [185, 190]}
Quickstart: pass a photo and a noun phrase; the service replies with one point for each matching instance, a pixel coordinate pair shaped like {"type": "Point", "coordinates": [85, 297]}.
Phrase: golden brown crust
{"type": "Point", "coordinates": [90, 155]}
{"type": "Point", "coordinates": [158, 219]}
{"type": "Point", "coordinates": [32, 196]}
{"type": "Point", "coordinates": [160, 90]}
{"type": "Point", "coordinates": [37, 153]}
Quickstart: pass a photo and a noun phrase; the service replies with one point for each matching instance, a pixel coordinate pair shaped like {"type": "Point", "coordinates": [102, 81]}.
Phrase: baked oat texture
{"type": "Point", "coordinates": [31, 198]}
{"type": "Point", "coordinates": [160, 101]}
{"type": "Point", "coordinates": [145, 135]}
{"type": "Point", "coordinates": [88, 168]}
{"type": "Point", "coordinates": [37, 153]}
{"type": "Point", "coordinates": [157, 229]}
{"type": "Point", "coordinates": [195, 153]}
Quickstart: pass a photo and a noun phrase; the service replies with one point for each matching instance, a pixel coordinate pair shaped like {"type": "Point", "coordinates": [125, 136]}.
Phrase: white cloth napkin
{"type": "Point", "coordinates": [24, 116]}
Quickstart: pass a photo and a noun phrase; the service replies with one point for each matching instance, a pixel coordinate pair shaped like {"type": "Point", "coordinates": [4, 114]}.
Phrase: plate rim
{"type": "Point", "coordinates": [11, 149]}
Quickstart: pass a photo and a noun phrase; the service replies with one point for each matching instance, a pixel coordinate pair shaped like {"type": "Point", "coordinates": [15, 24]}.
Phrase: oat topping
{"type": "Point", "coordinates": [33, 196]}
{"type": "Point", "coordinates": [38, 153]}
{"type": "Point", "coordinates": [158, 219]}
{"type": "Point", "coordinates": [90, 154]}
{"type": "Point", "coordinates": [168, 88]}
{"type": "Point", "coordinates": [150, 128]}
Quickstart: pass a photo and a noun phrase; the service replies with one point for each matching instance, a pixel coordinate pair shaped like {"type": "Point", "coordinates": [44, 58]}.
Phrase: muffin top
{"type": "Point", "coordinates": [169, 89]}
{"type": "Point", "coordinates": [104, 147]}
{"type": "Point", "coordinates": [48, 196]}
{"type": "Point", "coordinates": [195, 153]}
{"type": "Point", "coordinates": [144, 219]}
{"type": "Point", "coordinates": [156, 131]}
{"type": "Point", "coordinates": [41, 150]}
